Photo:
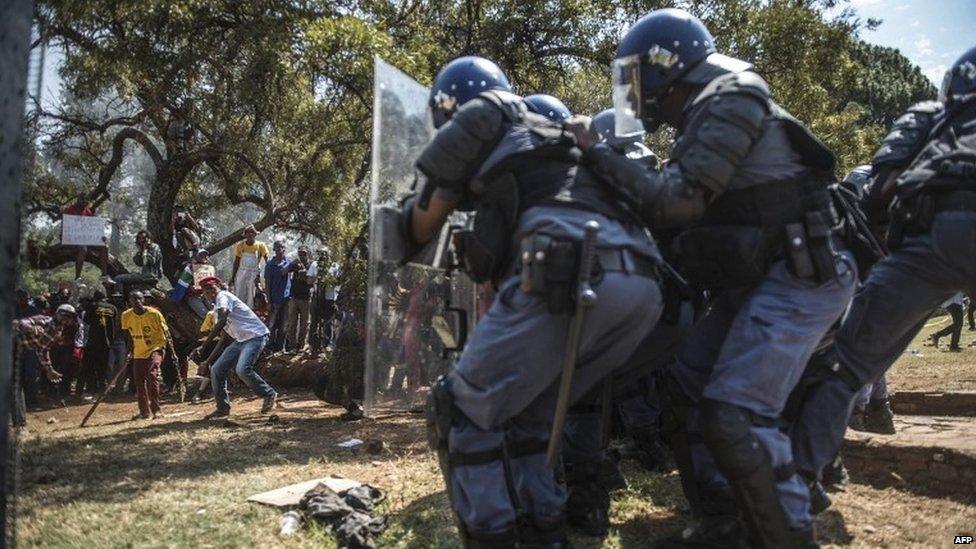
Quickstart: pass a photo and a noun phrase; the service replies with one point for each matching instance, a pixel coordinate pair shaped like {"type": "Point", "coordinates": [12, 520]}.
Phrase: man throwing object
{"type": "Point", "coordinates": [250, 336]}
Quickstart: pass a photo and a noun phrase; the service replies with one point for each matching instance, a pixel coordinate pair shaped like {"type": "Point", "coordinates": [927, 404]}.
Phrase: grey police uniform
{"type": "Point", "coordinates": [819, 429]}
{"type": "Point", "coordinates": [747, 184]}
{"type": "Point", "coordinates": [933, 241]}
{"type": "Point", "coordinates": [493, 412]}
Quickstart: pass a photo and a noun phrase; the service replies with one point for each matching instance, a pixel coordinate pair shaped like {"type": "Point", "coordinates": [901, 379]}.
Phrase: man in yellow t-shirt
{"type": "Point", "coordinates": [248, 255]}
{"type": "Point", "coordinates": [149, 338]}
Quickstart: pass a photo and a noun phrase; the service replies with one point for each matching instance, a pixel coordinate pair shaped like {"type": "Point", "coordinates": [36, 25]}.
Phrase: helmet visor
{"type": "Point", "coordinates": [627, 96]}
{"type": "Point", "coordinates": [944, 89]}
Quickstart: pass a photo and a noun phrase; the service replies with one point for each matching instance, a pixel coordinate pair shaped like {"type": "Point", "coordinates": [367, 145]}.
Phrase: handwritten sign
{"type": "Point", "coordinates": [80, 230]}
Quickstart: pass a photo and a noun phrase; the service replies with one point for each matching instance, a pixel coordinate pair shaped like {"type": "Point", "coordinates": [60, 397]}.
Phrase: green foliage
{"type": "Point", "coordinates": [268, 102]}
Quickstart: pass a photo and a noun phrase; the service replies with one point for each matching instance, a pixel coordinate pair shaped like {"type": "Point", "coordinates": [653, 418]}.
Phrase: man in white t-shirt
{"type": "Point", "coordinates": [250, 336]}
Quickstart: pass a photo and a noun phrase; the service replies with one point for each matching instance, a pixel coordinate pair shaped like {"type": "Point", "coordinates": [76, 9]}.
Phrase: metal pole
{"type": "Point", "coordinates": [15, 31]}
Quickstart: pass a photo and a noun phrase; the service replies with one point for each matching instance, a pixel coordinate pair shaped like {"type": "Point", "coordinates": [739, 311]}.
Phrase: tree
{"type": "Point", "coordinates": [267, 102]}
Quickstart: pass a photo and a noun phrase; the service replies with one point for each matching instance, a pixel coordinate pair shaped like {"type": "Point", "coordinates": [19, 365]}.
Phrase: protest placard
{"type": "Point", "coordinates": [80, 230]}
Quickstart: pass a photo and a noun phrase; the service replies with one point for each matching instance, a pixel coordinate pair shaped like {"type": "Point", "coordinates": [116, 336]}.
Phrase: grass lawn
{"type": "Point", "coordinates": [182, 481]}
{"type": "Point", "coordinates": [934, 370]}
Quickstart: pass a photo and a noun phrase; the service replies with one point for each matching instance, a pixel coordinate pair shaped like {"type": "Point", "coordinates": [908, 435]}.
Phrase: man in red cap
{"type": "Point", "coordinates": [250, 336]}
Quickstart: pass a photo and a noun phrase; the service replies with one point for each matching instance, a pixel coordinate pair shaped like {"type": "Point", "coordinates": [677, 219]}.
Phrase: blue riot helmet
{"type": "Point", "coordinates": [548, 106]}
{"type": "Point", "coordinates": [959, 83]}
{"type": "Point", "coordinates": [460, 81]}
{"type": "Point", "coordinates": [604, 126]}
{"type": "Point", "coordinates": [662, 48]}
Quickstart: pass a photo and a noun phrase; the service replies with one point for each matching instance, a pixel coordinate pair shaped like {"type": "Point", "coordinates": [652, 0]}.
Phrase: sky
{"type": "Point", "coordinates": [930, 33]}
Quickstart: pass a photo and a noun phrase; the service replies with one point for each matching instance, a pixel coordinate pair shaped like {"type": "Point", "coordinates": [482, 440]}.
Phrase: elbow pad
{"type": "Point", "coordinates": [458, 149]}
{"type": "Point", "coordinates": [660, 198]}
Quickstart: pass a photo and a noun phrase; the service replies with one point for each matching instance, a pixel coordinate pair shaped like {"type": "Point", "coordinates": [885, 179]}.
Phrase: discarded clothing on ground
{"type": "Point", "coordinates": [348, 513]}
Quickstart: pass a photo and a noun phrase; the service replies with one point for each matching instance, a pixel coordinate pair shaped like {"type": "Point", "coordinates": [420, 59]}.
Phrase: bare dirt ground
{"type": "Point", "coordinates": [182, 481]}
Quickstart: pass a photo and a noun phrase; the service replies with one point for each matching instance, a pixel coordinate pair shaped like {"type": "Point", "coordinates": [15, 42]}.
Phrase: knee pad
{"type": "Point", "coordinates": [726, 429]}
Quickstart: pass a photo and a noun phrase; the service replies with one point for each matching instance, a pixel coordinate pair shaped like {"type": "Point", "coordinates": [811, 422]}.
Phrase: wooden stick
{"type": "Point", "coordinates": [109, 387]}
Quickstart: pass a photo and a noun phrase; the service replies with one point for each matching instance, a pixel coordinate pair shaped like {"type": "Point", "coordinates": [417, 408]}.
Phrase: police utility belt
{"type": "Point", "coordinates": [913, 215]}
{"type": "Point", "coordinates": [745, 231]}
{"type": "Point", "coordinates": [548, 267]}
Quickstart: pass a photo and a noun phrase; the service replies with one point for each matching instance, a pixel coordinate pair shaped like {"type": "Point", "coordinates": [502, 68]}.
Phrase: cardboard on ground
{"type": "Point", "coordinates": [289, 496]}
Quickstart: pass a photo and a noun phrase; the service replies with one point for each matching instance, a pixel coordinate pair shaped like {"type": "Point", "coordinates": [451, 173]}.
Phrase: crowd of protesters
{"type": "Point", "coordinates": [73, 344]}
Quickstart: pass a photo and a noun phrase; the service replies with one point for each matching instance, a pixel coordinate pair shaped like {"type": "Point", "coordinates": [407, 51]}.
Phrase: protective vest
{"type": "Point", "coordinates": [533, 163]}
{"type": "Point", "coordinates": [947, 162]}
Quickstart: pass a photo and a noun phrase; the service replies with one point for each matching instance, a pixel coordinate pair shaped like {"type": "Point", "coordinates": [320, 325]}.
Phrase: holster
{"type": "Point", "coordinates": [547, 267]}
{"type": "Point", "coordinates": [909, 217]}
{"type": "Point", "coordinates": [723, 256]}
{"type": "Point", "coordinates": [809, 250]}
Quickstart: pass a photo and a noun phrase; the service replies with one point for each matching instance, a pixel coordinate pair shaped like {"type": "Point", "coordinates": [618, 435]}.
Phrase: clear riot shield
{"type": "Point", "coordinates": [418, 313]}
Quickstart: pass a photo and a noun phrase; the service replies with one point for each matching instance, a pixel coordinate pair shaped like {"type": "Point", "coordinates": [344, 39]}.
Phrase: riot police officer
{"type": "Point", "coordinates": [746, 184]}
{"type": "Point", "coordinates": [548, 106]}
{"type": "Point", "coordinates": [490, 417]}
{"type": "Point", "coordinates": [926, 169]}
{"type": "Point", "coordinates": [591, 471]}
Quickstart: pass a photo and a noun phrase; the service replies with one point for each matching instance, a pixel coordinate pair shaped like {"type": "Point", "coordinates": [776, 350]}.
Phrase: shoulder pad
{"type": "Point", "coordinates": [927, 107]}
{"type": "Point", "coordinates": [908, 135]}
{"type": "Point", "coordinates": [746, 82]}
{"type": "Point", "coordinates": [512, 106]}
{"type": "Point", "coordinates": [725, 121]}
{"type": "Point", "coordinates": [457, 150]}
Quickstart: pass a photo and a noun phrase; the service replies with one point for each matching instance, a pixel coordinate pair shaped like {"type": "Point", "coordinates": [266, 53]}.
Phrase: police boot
{"type": "Point", "coordinates": [819, 500]}
{"type": "Point", "coordinates": [587, 500]}
{"type": "Point", "coordinates": [543, 533]}
{"type": "Point", "coordinates": [496, 540]}
{"type": "Point", "coordinates": [878, 417]}
{"type": "Point", "coordinates": [834, 475]}
{"type": "Point", "coordinates": [857, 418]}
{"type": "Point", "coordinates": [719, 532]}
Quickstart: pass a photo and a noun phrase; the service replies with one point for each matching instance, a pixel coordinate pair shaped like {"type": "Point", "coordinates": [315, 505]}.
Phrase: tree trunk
{"type": "Point", "coordinates": [162, 198]}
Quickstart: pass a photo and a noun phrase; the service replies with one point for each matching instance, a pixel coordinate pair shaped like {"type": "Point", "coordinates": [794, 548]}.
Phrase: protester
{"type": "Point", "coordinates": [29, 366]}
{"type": "Point", "coordinates": [149, 258]}
{"type": "Point", "coordinates": [206, 349]}
{"type": "Point", "coordinates": [40, 333]}
{"type": "Point", "coordinates": [186, 230]}
{"type": "Point", "coordinates": [102, 319]}
{"type": "Point", "coordinates": [187, 285]}
{"type": "Point", "coordinates": [250, 336]}
{"type": "Point", "coordinates": [324, 302]}
{"type": "Point", "coordinates": [82, 207]}
{"type": "Point", "coordinates": [261, 307]}
{"type": "Point", "coordinates": [149, 338]}
{"type": "Point", "coordinates": [277, 283]}
{"type": "Point", "coordinates": [954, 306]}
{"type": "Point", "coordinates": [119, 356]}
{"type": "Point", "coordinates": [248, 254]}
{"type": "Point", "coordinates": [303, 271]}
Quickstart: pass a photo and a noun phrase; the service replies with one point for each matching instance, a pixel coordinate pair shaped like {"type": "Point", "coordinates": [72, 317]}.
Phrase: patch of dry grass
{"type": "Point", "coordinates": [932, 369]}
{"type": "Point", "coordinates": [183, 481]}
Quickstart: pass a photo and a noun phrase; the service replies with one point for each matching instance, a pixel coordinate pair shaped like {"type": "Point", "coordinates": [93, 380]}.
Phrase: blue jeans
{"type": "Point", "coordinates": [242, 355]}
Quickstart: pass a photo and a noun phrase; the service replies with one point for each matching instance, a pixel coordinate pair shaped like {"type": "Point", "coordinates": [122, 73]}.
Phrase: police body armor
{"type": "Point", "coordinates": [530, 162]}
{"type": "Point", "coordinates": [941, 178]}
{"type": "Point", "coordinates": [750, 224]}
